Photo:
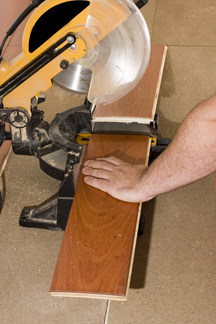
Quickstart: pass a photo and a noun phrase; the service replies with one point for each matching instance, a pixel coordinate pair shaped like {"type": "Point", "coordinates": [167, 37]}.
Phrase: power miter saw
{"type": "Point", "coordinates": [99, 47]}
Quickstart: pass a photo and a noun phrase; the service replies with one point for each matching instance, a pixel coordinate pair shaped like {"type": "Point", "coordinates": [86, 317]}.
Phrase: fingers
{"type": "Point", "coordinates": [97, 173]}
{"type": "Point", "coordinates": [98, 164]}
{"type": "Point", "coordinates": [105, 163]}
{"type": "Point", "coordinates": [97, 183]}
{"type": "Point", "coordinates": [111, 159]}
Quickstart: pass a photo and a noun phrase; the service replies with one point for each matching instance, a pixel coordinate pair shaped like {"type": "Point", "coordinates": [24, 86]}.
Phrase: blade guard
{"type": "Point", "coordinates": [119, 60]}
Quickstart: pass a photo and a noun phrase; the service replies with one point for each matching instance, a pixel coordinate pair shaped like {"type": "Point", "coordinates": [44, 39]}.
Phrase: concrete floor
{"type": "Point", "coordinates": [173, 278]}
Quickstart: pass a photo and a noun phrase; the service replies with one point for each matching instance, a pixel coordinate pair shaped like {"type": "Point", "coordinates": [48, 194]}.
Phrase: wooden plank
{"type": "Point", "coordinates": [96, 254]}
{"type": "Point", "coordinates": [4, 153]}
{"type": "Point", "coordinates": [139, 105]}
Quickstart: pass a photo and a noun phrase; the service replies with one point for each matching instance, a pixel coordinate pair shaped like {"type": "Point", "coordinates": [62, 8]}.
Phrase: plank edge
{"type": "Point", "coordinates": [136, 230]}
{"type": "Point", "coordinates": [127, 120]}
{"type": "Point", "coordinates": [159, 80]}
{"type": "Point", "coordinates": [3, 165]}
{"type": "Point", "coordinates": [87, 295]}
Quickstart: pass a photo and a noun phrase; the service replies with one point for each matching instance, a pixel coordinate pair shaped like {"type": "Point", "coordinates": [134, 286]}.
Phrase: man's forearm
{"type": "Point", "coordinates": [190, 156]}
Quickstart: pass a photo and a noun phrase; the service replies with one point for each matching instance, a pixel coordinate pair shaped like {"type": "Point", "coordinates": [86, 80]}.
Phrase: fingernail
{"type": "Point", "coordinates": [86, 179]}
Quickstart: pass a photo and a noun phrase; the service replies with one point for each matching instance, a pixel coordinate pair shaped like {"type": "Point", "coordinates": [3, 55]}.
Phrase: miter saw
{"type": "Point", "coordinates": [97, 47]}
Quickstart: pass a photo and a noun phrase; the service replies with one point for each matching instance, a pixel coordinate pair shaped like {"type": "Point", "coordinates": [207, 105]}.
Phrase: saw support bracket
{"type": "Point", "coordinates": [53, 214]}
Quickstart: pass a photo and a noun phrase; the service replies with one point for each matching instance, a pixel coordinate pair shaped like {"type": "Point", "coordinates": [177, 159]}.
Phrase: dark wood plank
{"type": "Point", "coordinates": [97, 250]}
{"type": "Point", "coordinates": [4, 152]}
{"type": "Point", "coordinates": [139, 104]}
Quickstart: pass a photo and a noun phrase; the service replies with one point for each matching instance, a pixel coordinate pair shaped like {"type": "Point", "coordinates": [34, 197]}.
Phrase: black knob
{"type": "Point", "coordinates": [64, 64]}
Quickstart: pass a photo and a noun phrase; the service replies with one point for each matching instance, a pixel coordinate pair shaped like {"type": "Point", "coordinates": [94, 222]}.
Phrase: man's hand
{"type": "Point", "coordinates": [119, 179]}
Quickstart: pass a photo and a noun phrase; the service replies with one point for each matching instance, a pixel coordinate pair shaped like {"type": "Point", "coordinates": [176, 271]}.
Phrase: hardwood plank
{"type": "Point", "coordinates": [4, 153]}
{"type": "Point", "coordinates": [139, 105]}
{"type": "Point", "coordinates": [96, 254]}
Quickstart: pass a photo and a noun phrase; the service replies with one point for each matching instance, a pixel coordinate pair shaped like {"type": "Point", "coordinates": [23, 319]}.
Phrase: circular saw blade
{"type": "Point", "coordinates": [118, 50]}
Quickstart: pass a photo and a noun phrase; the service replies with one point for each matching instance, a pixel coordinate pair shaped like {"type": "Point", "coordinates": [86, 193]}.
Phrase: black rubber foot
{"type": "Point", "coordinates": [44, 216]}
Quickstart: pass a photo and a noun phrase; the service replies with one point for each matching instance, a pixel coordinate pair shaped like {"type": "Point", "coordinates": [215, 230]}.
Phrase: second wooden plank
{"type": "Point", "coordinates": [139, 105]}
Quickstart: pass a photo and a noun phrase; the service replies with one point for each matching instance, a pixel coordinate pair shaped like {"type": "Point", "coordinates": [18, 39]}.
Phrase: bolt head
{"type": "Point", "coordinates": [70, 39]}
{"type": "Point", "coordinates": [64, 64]}
{"type": "Point", "coordinates": [73, 47]}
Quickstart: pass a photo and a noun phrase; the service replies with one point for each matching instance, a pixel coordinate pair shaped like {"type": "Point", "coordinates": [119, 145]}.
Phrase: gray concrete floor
{"type": "Point", "coordinates": [173, 278]}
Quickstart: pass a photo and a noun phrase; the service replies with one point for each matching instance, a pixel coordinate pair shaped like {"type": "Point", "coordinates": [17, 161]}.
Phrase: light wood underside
{"type": "Point", "coordinates": [96, 255]}
{"type": "Point", "coordinates": [139, 105]}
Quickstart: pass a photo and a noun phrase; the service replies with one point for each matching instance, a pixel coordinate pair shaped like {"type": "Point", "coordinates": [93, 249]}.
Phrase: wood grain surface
{"type": "Point", "coordinates": [96, 254]}
{"type": "Point", "coordinates": [139, 105]}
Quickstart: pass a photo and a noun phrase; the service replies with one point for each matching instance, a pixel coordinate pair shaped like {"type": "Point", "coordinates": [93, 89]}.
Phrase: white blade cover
{"type": "Point", "coordinates": [119, 60]}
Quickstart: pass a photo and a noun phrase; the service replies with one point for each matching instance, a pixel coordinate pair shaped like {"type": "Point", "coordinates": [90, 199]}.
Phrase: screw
{"type": "Point", "coordinates": [73, 47]}
{"type": "Point", "coordinates": [70, 39]}
{"type": "Point", "coordinates": [64, 64]}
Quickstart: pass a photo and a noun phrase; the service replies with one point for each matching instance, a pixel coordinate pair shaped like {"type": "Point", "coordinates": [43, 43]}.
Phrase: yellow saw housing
{"type": "Point", "coordinates": [82, 27]}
